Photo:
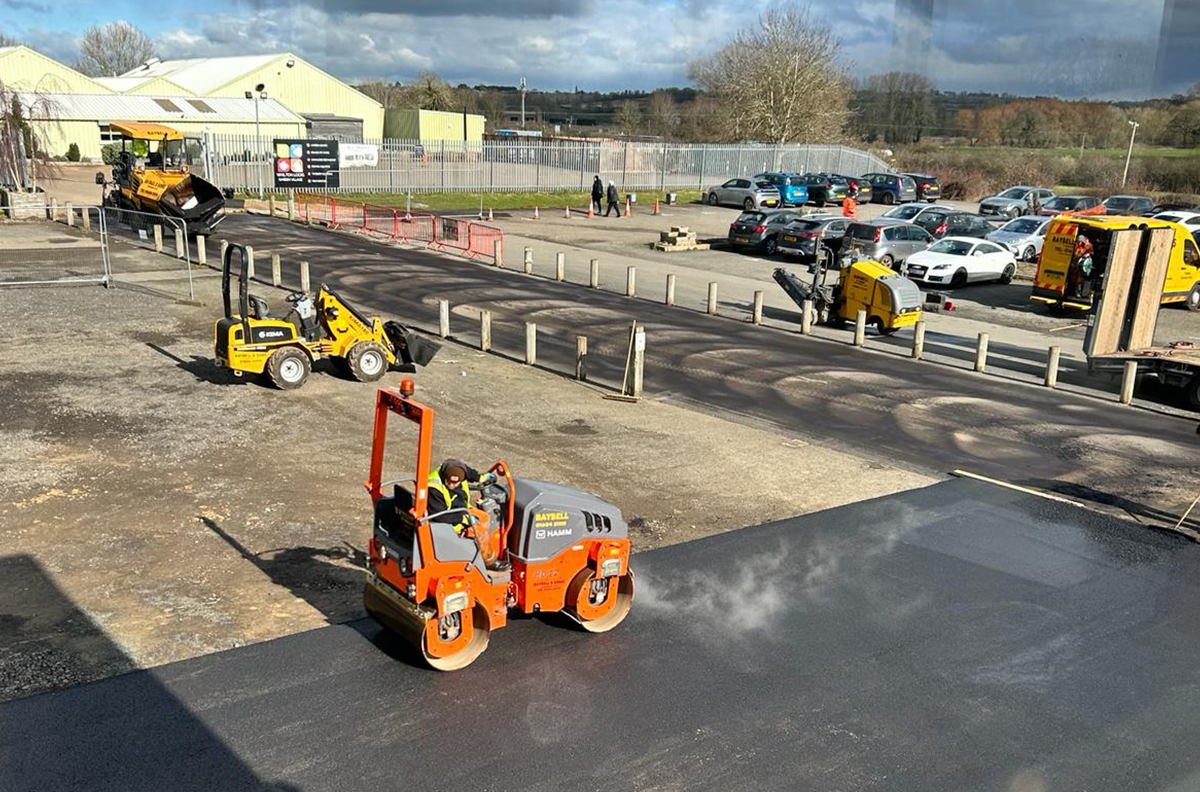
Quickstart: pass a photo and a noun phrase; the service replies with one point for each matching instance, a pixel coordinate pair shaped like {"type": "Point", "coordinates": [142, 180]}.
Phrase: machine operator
{"type": "Point", "coordinates": [450, 488]}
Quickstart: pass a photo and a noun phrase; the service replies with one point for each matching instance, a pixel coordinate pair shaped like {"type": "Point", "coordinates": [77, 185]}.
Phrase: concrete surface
{"type": "Point", "coordinates": [958, 637]}
{"type": "Point", "coordinates": [153, 507]}
{"type": "Point", "coordinates": [925, 417]}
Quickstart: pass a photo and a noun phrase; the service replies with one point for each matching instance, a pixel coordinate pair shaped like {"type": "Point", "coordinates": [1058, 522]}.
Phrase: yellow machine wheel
{"type": "Point", "coordinates": [596, 614]}
{"type": "Point", "coordinates": [367, 361]}
{"type": "Point", "coordinates": [288, 368]}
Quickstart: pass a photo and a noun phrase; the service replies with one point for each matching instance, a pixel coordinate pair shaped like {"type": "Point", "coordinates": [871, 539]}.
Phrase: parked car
{"type": "Point", "coordinates": [759, 230]}
{"type": "Point", "coordinates": [887, 241]}
{"type": "Point", "coordinates": [1188, 219]}
{"type": "Point", "coordinates": [1072, 205]}
{"type": "Point", "coordinates": [1015, 201]}
{"type": "Point", "coordinates": [860, 188]}
{"type": "Point", "coordinates": [955, 224]}
{"type": "Point", "coordinates": [957, 261]}
{"type": "Point", "coordinates": [824, 188]}
{"type": "Point", "coordinates": [911, 211]}
{"type": "Point", "coordinates": [1176, 208]}
{"type": "Point", "coordinates": [928, 188]}
{"type": "Point", "coordinates": [792, 189]}
{"type": "Point", "coordinates": [1023, 236]}
{"type": "Point", "coordinates": [1127, 204]}
{"type": "Point", "coordinates": [745, 193]}
{"type": "Point", "coordinates": [806, 235]}
{"type": "Point", "coordinates": [891, 188]}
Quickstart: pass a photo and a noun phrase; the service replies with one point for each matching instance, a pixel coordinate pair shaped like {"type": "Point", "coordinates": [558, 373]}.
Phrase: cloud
{"type": "Point", "coordinates": [509, 9]}
{"type": "Point", "coordinates": [25, 5]}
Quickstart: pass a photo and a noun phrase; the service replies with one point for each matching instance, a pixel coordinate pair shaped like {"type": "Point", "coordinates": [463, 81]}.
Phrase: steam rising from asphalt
{"type": "Point", "coordinates": [756, 591]}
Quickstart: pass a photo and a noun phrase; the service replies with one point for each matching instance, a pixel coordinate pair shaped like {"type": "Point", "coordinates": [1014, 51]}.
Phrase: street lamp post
{"type": "Point", "coordinates": [259, 92]}
{"type": "Point", "coordinates": [1129, 156]}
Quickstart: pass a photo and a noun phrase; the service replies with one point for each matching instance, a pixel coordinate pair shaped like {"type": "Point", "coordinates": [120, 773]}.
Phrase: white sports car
{"type": "Point", "coordinates": [957, 261]}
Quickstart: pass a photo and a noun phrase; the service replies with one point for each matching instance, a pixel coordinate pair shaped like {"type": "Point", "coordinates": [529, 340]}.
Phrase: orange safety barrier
{"type": "Point", "coordinates": [465, 237]}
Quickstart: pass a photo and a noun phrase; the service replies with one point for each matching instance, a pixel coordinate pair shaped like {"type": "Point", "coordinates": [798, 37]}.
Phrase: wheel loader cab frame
{"type": "Point", "coordinates": [436, 589]}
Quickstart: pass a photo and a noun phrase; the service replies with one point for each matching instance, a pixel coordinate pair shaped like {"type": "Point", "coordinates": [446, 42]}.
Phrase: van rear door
{"type": "Point", "coordinates": [1057, 251]}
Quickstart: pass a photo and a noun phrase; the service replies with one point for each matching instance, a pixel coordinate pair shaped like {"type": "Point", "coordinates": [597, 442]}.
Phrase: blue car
{"type": "Point", "coordinates": [891, 188]}
{"type": "Point", "coordinates": [791, 186]}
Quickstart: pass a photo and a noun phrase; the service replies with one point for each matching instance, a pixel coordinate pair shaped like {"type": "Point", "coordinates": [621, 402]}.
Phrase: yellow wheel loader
{"type": "Point", "coordinates": [153, 174]}
{"type": "Point", "coordinates": [248, 340]}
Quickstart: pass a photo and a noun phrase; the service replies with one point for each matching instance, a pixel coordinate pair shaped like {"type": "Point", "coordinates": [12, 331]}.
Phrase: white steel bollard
{"type": "Point", "coordinates": [860, 328]}
{"type": "Point", "coordinates": [498, 252]}
{"type": "Point", "coordinates": [179, 243]}
{"type": "Point", "coordinates": [530, 343]}
{"type": "Point", "coordinates": [756, 315]}
{"type": "Point", "coordinates": [1051, 379]}
{"type": "Point", "coordinates": [560, 266]}
{"type": "Point", "coordinates": [594, 275]}
{"type": "Point", "coordinates": [1128, 381]}
{"type": "Point", "coordinates": [444, 318]}
{"type": "Point", "coordinates": [670, 297]}
{"type": "Point", "coordinates": [305, 283]}
{"type": "Point", "coordinates": [712, 299]}
{"type": "Point", "coordinates": [201, 250]}
{"type": "Point", "coordinates": [918, 346]}
{"type": "Point", "coordinates": [276, 270]}
{"type": "Point", "coordinates": [981, 353]}
{"type": "Point", "coordinates": [630, 281]}
{"type": "Point", "coordinates": [158, 243]}
{"type": "Point", "coordinates": [805, 317]}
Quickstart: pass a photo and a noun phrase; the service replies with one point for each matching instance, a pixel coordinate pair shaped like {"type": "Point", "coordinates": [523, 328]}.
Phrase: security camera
{"type": "Point", "coordinates": [260, 87]}
{"type": "Point", "coordinates": [249, 95]}
{"type": "Point", "coordinates": [290, 63]}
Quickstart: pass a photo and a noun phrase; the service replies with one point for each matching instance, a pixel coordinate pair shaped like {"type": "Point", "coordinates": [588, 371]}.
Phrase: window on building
{"type": "Point", "coordinates": [108, 136]}
{"type": "Point", "coordinates": [201, 105]}
{"type": "Point", "coordinates": [168, 105]}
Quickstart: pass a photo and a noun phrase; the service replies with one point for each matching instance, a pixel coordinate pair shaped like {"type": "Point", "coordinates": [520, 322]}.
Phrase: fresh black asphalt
{"type": "Point", "coordinates": [925, 416]}
{"type": "Point", "coordinates": [958, 637]}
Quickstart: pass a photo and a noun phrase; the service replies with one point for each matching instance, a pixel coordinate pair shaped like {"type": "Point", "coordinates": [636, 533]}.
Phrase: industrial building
{"type": "Point", "coordinates": [433, 125]}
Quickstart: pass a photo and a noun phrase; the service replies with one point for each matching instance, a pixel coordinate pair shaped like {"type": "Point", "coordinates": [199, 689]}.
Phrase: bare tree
{"type": "Point", "coordinates": [628, 117]}
{"type": "Point", "coordinates": [7, 40]}
{"type": "Point", "coordinates": [113, 49]}
{"type": "Point", "coordinates": [387, 94]}
{"type": "Point", "coordinates": [25, 118]}
{"type": "Point", "coordinates": [662, 116]}
{"type": "Point", "coordinates": [777, 82]}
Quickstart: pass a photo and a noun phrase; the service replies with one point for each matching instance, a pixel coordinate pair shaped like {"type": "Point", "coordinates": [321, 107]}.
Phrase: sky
{"type": "Point", "coordinates": [1092, 48]}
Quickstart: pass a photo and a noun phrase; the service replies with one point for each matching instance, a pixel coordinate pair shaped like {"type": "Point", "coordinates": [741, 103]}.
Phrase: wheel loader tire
{"type": "Point", "coordinates": [288, 368]}
{"type": "Point", "coordinates": [367, 361]}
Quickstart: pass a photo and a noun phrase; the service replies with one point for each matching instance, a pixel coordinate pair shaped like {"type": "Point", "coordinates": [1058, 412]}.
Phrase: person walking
{"type": "Point", "coordinates": [597, 192]}
{"type": "Point", "coordinates": [849, 207]}
{"type": "Point", "coordinates": [614, 200]}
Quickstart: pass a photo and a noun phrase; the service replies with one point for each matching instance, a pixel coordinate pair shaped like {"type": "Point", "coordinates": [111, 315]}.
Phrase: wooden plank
{"type": "Point", "coordinates": [1118, 277]}
{"type": "Point", "coordinates": [1154, 277]}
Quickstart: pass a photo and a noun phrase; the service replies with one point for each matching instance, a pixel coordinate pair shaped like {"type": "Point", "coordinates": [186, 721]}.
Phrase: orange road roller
{"type": "Point", "coordinates": [446, 581]}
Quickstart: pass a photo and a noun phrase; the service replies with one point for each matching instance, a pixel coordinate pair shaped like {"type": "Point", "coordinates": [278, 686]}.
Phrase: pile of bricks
{"type": "Point", "coordinates": [679, 238]}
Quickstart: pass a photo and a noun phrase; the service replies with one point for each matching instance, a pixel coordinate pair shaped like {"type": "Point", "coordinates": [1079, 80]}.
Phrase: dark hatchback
{"type": "Point", "coordinates": [928, 188]}
{"type": "Point", "coordinates": [861, 188]}
{"type": "Point", "coordinates": [824, 188]}
{"type": "Point", "coordinates": [759, 230]}
{"type": "Point", "coordinates": [958, 224]}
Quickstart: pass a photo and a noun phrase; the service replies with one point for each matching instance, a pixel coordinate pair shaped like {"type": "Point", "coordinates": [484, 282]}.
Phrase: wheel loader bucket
{"type": "Point", "coordinates": [410, 347]}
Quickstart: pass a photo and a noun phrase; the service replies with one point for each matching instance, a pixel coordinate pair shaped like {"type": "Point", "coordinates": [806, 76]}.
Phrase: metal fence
{"type": "Point", "coordinates": [72, 250]}
{"type": "Point", "coordinates": [244, 162]}
{"type": "Point", "coordinates": [130, 231]}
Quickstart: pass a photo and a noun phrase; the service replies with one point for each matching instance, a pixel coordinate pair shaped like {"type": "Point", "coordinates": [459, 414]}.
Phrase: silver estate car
{"type": "Point", "coordinates": [745, 193]}
{"type": "Point", "coordinates": [1023, 237]}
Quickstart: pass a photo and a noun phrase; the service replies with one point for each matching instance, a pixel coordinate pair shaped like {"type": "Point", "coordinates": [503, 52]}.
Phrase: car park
{"type": "Point", "coordinates": [911, 211]}
{"type": "Point", "coordinates": [955, 223]}
{"type": "Point", "coordinates": [746, 193]}
{"type": "Point", "coordinates": [806, 235]}
{"type": "Point", "coordinates": [792, 189]}
{"type": "Point", "coordinates": [1072, 205]}
{"type": "Point", "coordinates": [825, 188]}
{"type": "Point", "coordinates": [891, 188]}
{"type": "Point", "coordinates": [1023, 236]}
{"type": "Point", "coordinates": [887, 241]}
{"type": "Point", "coordinates": [1015, 201]}
{"type": "Point", "coordinates": [1127, 204]}
{"type": "Point", "coordinates": [957, 261]}
{"type": "Point", "coordinates": [758, 230]}
{"type": "Point", "coordinates": [860, 188]}
{"type": "Point", "coordinates": [928, 187]}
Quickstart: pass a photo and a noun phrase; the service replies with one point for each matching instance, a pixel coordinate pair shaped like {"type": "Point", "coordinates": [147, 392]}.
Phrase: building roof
{"type": "Point", "coordinates": [201, 75]}
{"type": "Point", "coordinates": [136, 107]}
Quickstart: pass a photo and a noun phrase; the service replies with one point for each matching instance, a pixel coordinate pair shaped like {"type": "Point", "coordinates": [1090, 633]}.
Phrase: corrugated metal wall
{"type": "Point", "coordinates": [532, 165]}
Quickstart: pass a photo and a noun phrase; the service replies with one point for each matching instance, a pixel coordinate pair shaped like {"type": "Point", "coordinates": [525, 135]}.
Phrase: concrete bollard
{"type": "Point", "coordinates": [528, 259]}
{"type": "Point", "coordinates": [860, 328]}
{"type": "Point", "coordinates": [444, 318]}
{"type": "Point", "coordinates": [805, 317]}
{"type": "Point", "coordinates": [981, 353]}
{"type": "Point", "coordinates": [670, 298]}
{"type": "Point", "coordinates": [308, 214]}
{"type": "Point", "coordinates": [249, 262]}
{"type": "Point", "coordinates": [1128, 381]}
{"type": "Point", "coordinates": [305, 283]}
{"type": "Point", "coordinates": [71, 215]}
{"type": "Point", "coordinates": [271, 205]}
{"type": "Point", "coordinates": [581, 358]}
{"type": "Point", "coordinates": [498, 252]}
{"type": "Point", "coordinates": [639, 360]}
{"type": "Point", "coordinates": [179, 246]}
{"type": "Point", "coordinates": [276, 270]}
{"type": "Point", "coordinates": [485, 331]}
{"type": "Point", "coordinates": [1051, 379]}
{"type": "Point", "coordinates": [630, 281]}
{"type": "Point", "coordinates": [712, 299]}
{"type": "Point", "coordinates": [560, 266]}
{"type": "Point", "coordinates": [86, 217]}
{"type": "Point", "coordinates": [201, 250]}
{"type": "Point", "coordinates": [224, 247]}
{"type": "Point", "coordinates": [530, 343]}
{"type": "Point", "coordinates": [918, 346]}
{"type": "Point", "coordinates": [158, 243]}
{"type": "Point", "coordinates": [291, 207]}
{"type": "Point", "coordinates": [54, 210]}
{"type": "Point", "coordinates": [756, 315]}
{"type": "Point", "coordinates": [594, 276]}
